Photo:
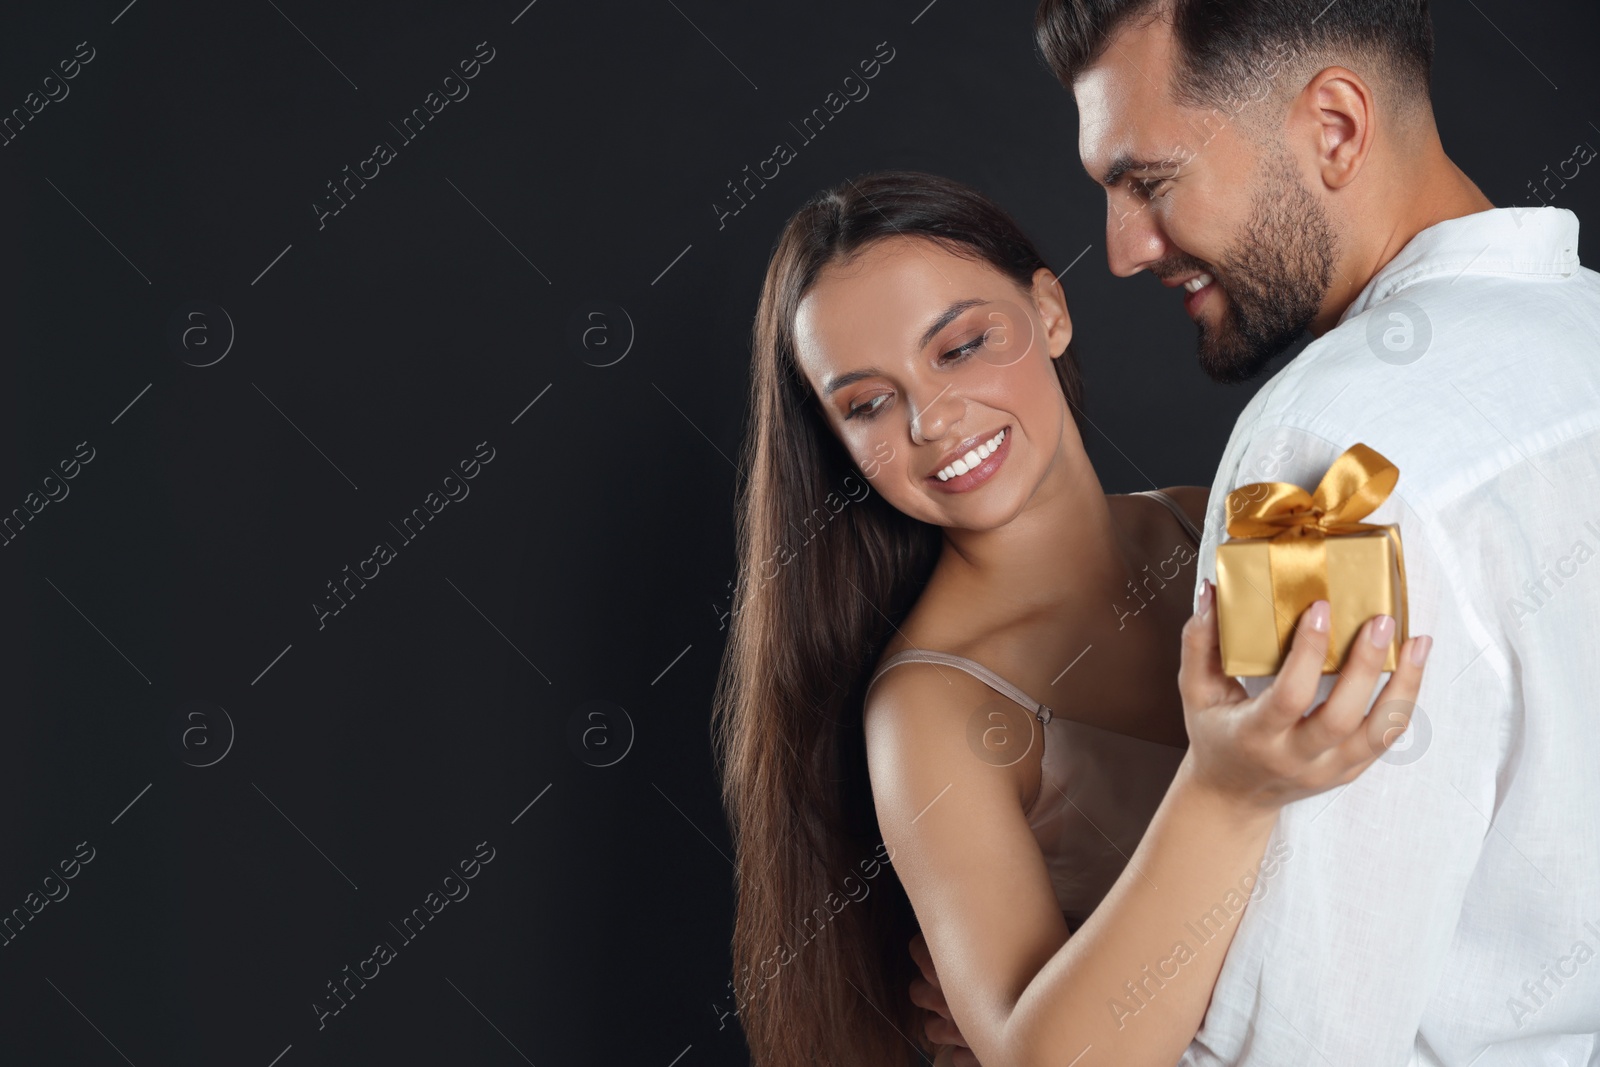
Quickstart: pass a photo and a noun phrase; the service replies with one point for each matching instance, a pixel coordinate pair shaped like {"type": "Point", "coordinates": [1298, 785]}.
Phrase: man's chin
{"type": "Point", "coordinates": [1229, 358]}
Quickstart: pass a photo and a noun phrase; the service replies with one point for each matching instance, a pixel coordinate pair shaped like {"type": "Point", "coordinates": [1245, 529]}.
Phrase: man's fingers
{"type": "Point", "coordinates": [964, 1058]}
{"type": "Point", "coordinates": [925, 991]}
{"type": "Point", "coordinates": [942, 1031]}
{"type": "Point", "coordinates": [925, 994]}
{"type": "Point", "coordinates": [920, 953]}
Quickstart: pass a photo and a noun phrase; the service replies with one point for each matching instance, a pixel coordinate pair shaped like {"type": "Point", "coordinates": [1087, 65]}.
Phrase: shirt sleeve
{"type": "Point", "coordinates": [1342, 942]}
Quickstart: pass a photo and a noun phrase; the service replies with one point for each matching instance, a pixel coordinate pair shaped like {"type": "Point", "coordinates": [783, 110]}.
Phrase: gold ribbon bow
{"type": "Point", "coordinates": [1299, 524]}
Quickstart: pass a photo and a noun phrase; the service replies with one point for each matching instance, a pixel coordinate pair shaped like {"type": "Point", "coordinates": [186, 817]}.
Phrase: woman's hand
{"type": "Point", "coordinates": [1247, 757]}
{"type": "Point", "coordinates": [1264, 752]}
{"type": "Point", "coordinates": [941, 1027]}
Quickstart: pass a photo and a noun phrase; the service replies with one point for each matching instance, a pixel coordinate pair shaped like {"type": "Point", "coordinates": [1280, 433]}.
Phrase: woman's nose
{"type": "Point", "coordinates": [931, 420]}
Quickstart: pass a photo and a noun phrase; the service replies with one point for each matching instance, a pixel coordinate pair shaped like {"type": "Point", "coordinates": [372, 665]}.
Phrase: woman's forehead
{"type": "Point", "coordinates": [882, 296]}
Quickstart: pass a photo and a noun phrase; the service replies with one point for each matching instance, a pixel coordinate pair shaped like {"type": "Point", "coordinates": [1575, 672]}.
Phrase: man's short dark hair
{"type": "Point", "coordinates": [1224, 43]}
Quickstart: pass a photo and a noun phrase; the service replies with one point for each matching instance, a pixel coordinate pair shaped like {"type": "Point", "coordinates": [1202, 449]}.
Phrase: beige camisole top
{"type": "Point", "coordinates": [1098, 789]}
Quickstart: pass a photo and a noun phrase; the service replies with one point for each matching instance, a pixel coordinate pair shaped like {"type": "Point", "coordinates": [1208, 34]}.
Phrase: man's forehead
{"type": "Point", "coordinates": [1124, 109]}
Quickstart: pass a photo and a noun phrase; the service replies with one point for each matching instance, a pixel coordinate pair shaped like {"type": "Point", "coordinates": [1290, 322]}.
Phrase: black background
{"type": "Point", "coordinates": [590, 561]}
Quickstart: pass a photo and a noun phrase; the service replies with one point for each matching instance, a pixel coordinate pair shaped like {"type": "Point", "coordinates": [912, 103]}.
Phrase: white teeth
{"type": "Point", "coordinates": [973, 458]}
{"type": "Point", "coordinates": [1194, 285]}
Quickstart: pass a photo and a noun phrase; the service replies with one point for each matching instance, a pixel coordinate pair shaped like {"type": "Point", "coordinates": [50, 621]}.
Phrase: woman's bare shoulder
{"type": "Point", "coordinates": [919, 696]}
{"type": "Point", "coordinates": [923, 715]}
{"type": "Point", "coordinates": [1193, 499]}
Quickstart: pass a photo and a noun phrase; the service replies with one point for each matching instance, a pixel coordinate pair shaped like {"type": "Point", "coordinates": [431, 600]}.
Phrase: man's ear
{"type": "Point", "coordinates": [1335, 117]}
{"type": "Point", "coordinates": [1051, 304]}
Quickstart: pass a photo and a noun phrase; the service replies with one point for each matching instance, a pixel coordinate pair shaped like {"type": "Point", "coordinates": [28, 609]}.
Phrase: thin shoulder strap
{"type": "Point", "coordinates": [1177, 509]}
{"type": "Point", "coordinates": [972, 667]}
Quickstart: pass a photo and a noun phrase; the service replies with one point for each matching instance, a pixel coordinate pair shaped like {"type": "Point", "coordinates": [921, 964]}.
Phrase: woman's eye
{"type": "Point", "coordinates": [869, 409]}
{"type": "Point", "coordinates": [965, 350]}
{"type": "Point", "coordinates": [955, 355]}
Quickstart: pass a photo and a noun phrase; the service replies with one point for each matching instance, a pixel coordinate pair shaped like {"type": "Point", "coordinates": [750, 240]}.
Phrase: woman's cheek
{"type": "Point", "coordinates": [1011, 339]}
{"type": "Point", "coordinates": [879, 455]}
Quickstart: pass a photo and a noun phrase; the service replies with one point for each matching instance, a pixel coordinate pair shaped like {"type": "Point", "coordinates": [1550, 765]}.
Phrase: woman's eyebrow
{"type": "Point", "coordinates": [945, 318]}
{"type": "Point", "coordinates": [834, 384]}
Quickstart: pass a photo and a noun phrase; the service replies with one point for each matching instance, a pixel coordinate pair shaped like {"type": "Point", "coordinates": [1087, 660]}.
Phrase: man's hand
{"type": "Point", "coordinates": [941, 1028]}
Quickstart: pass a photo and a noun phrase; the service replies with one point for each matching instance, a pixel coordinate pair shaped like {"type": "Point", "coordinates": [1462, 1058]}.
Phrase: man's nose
{"type": "Point", "coordinates": [1133, 240]}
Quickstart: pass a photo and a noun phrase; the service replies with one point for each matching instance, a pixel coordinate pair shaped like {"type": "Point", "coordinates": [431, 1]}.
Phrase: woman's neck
{"type": "Point", "coordinates": [1064, 549]}
{"type": "Point", "coordinates": [1030, 598]}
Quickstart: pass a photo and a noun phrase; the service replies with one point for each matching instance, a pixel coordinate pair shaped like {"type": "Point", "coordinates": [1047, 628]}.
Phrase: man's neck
{"type": "Point", "coordinates": [1433, 192]}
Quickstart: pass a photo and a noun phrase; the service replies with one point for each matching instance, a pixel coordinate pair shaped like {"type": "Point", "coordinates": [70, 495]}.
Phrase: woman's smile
{"type": "Point", "coordinates": [975, 466]}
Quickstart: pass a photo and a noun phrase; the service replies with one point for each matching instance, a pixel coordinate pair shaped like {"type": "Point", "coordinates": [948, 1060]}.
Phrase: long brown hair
{"type": "Point", "coordinates": [821, 969]}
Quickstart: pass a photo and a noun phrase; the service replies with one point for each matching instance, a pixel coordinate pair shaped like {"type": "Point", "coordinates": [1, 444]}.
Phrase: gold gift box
{"type": "Point", "coordinates": [1365, 578]}
{"type": "Point", "coordinates": [1291, 548]}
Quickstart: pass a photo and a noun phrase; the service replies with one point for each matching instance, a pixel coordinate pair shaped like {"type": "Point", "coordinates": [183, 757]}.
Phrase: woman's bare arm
{"type": "Point", "coordinates": [1020, 991]}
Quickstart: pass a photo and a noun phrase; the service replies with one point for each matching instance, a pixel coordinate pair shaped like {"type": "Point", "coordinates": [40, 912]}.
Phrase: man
{"type": "Point", "coordinates": [1279, 160]}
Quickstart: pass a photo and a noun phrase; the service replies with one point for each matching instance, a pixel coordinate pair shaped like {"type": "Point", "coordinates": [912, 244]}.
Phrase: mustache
{"type": "Point", "coordinates": [1175, 266]}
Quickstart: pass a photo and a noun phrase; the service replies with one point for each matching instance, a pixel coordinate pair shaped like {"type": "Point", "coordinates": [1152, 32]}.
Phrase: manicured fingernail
{"type": "Point", "coordinates": [1318, 616]}
{"type": "Point", "coordinates": [1382, 631]}
{"type": "Point", "coordinates": [1420, 649]}
{"type": "Point", "coordinates": [1204, 611]}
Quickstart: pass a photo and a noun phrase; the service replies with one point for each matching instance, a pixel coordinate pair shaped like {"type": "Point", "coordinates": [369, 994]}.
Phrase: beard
{"type": "Point", "coordinates": [1275, 277]}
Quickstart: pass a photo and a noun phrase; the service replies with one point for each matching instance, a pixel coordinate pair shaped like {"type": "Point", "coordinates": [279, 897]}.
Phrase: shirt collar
{"type": "Point", "coordinates": [1509, 240]}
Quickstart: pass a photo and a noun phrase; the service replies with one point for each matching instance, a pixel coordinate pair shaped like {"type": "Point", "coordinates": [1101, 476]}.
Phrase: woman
{"type": "Point", "coordinates": [889, 680]}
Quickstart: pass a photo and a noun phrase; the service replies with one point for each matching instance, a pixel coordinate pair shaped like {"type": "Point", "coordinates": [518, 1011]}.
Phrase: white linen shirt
{"type": "Point", "coordinates": [1443, 910]}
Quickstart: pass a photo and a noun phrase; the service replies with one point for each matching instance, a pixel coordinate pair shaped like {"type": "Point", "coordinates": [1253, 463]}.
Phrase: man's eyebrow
{"type": "Point", "coordinates": [945, 318]}
{"type": "Point", "coordinates": [1124, 163]}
